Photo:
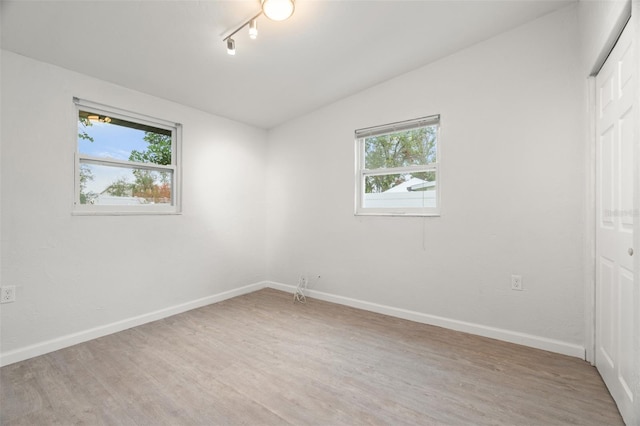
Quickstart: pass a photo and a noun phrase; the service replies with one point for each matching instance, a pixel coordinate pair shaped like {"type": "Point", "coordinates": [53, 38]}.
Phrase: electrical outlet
{"type": "Point", "coordinates": [303, 281]}
{"type": "Point", "coordinates": [8, 294]}
{"type": "Point", "coordinates": [516, 282]}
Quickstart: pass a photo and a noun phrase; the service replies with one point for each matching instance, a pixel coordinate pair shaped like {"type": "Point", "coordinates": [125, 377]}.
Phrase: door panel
{"type": "Point", "coordinates": [606, 293]}
{"type": "Point", "coordinates": [626, 336]}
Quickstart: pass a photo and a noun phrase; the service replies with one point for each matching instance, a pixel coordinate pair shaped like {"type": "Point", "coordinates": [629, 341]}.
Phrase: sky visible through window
{"type": "Point", "coordinates": [110, 141]}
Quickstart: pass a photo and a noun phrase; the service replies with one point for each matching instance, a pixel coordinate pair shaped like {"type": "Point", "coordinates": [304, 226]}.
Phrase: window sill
{"type": "Point", "coordinates": [124, 213]}
{"type": "Point", "coordinates": [399, 214]}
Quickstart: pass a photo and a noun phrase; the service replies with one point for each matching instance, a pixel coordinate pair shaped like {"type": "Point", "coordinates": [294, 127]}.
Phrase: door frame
{"type": "Point", "coordinates": [590, 232]}
{"type": "Point", "coordinates": [636, 204]}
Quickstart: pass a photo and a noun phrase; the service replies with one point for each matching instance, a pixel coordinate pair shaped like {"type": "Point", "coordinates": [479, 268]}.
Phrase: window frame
{"type": "Point", "coordinates": [174, 167]}
{"type": "Point", "coordinates": [362, 173]}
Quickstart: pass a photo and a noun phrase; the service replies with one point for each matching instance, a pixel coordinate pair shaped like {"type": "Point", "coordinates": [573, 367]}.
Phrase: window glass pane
{"type": "Point", "coordinates": [113, 138]}
{"type": "Point", "coordinates": [401, 149]}
{"type": "Point", "coordinates": [417, 190]}
{"type": "Point", "coordinates": [110, 185]}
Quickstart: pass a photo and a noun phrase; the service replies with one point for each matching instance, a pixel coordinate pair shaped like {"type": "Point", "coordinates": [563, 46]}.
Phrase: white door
{"type": "Point", "coordinates": [615, 155]}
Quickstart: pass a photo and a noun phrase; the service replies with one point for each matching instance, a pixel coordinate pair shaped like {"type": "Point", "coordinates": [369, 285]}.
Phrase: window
{"type": "Point", "coordinates": [397, 168]}
{"type": "Point", "coordinates": [126, 163]}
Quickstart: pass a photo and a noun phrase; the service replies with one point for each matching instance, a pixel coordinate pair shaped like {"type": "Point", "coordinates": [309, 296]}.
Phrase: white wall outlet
{"type": "Point", "coordinates": [516, 282]}
{"type": "Point", "coordinates": [303, 281]}
{"type": "Point", "coordinates": [8, 294]}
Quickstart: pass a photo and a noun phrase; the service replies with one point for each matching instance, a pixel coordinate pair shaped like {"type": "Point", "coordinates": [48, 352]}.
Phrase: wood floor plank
{"type": "Point", "coordinates": [261, 359]}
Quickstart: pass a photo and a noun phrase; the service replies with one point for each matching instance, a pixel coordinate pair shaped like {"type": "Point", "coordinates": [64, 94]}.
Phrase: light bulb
{"type": "Point", "coordinates": [278, 10]}
{"type": "Point", "coordinates": [231, 46]}
{"type": "Point", "coordinates": [253, 29]}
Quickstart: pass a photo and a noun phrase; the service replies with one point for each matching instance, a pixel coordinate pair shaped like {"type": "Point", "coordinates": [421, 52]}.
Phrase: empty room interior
{"type": "Point", "coordinates": [314, 212]}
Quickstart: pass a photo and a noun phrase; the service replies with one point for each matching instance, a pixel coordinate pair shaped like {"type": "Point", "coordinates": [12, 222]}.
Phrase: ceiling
{"type": "Point", "coordinates": [326, 51]}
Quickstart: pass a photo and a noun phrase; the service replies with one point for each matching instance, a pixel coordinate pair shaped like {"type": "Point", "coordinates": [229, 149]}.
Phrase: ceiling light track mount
{"type": "Point", "coordinates": [276, 10]}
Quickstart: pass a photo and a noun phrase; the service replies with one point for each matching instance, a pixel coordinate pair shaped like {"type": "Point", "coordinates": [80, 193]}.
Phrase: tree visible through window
{"type": "Point", "coordinates": [125, 163]}
{"type": "Point", "coordinates": [397, 168]}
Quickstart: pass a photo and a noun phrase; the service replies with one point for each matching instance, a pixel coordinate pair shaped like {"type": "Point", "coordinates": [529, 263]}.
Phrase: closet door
{"type": "Point", "coordinates": [615, 214]}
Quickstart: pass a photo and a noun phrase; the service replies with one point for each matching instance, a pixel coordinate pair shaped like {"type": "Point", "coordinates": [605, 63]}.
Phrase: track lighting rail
{"type": "Point", "coordinates": [242, 26]}
{"type": "Point", "coordinates": [276, 10]}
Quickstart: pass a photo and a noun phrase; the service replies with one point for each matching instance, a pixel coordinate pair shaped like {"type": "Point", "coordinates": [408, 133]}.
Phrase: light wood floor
{"type": "Point", "coordinates": [260, 359]}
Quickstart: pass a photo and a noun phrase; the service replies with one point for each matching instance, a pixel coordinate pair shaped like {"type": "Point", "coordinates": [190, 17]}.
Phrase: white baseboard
{"type": "Point", "coordinates": [42, 348]}
{"type": "Point", "coordinates": [537, 342]}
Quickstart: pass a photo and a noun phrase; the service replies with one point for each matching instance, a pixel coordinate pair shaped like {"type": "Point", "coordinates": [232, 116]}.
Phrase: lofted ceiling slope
{"type": "Point", "coordinates": [326, 51]}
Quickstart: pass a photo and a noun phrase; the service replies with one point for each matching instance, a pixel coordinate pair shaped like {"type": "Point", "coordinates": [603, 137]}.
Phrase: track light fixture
{"type": "Point", "coordinates": [276, 10]}
{"type": "Point", "coordinates": [231, 46]}
{"type": "Point", "coordinates": [253, 29]}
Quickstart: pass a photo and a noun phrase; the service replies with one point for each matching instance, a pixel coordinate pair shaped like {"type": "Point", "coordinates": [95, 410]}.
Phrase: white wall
{"type": "Point", "coordinates": [76, 273]}
{"type": "Point", "coordinates": [513, 124]}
